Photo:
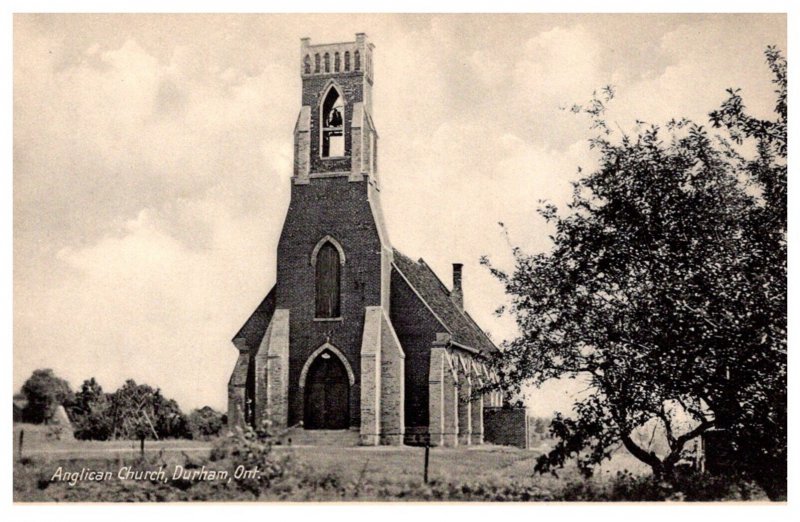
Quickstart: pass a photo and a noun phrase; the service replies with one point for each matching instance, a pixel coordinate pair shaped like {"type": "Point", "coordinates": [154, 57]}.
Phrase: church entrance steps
{"type": "Point", "coordinates": [340, 438]}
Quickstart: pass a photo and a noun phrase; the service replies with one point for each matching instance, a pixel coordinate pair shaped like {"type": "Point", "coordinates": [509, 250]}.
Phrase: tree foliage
{"type": "Point", "coordinates": [141, 411]}
{"type": "Point", "coordinates": [206, 422]}
{"type": "Point", "coordinates": [90, 412]}
{"type": "Point", "coordinates": [44, 392]}
{"type": "Point", "coordinates": [133, 411]}
{"type": "Point", "coordinates": [665, 288]}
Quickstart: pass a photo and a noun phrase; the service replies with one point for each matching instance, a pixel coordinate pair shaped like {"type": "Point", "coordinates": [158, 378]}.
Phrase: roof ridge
{"type": "Point", "coordinates": [483, 332]}
{"type": "Point", "coordinates": [432, 271]}
{"type": "Point", "coordinates": [463, 311]}
{"type": "Point", "coordinates": [425, 282]}
{"type": "Point", "coordinates": [421, 298]}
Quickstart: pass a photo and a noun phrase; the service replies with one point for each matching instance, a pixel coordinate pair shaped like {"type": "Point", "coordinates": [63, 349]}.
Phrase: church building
{"type": "Point", "coordinates": [355, 335]}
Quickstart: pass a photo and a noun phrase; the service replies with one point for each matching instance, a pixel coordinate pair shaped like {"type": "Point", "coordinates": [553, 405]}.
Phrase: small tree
{"type": "Point", "coordinates": [90, 412]}
{"type": "Point", "coordinates": [141, 411]}
{"type": "Point", "coordinates": [170, 420]}
{"type": "Point", "coordinates": [206, 422]}
{"type": "Point", "coordinates": [44, 392]}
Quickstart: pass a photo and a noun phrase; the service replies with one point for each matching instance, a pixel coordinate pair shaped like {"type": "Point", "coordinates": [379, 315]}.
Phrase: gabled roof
{"type": "Point", "coordinates": [256, 325]}
{"type": "Point", "coordinates": [464, 330]}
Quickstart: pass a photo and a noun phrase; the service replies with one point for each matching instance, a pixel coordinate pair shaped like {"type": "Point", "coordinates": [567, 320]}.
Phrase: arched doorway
{"type": "Point", "coordinates": [327, 394]}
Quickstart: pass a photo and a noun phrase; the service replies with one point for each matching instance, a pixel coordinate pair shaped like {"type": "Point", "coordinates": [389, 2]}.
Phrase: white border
{"type": "Point", "coordinates": [206, 511]}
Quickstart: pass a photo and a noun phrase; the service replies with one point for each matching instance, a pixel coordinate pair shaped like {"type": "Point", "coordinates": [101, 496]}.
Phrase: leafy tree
{"type": "Point", "coordinates": [170, 420]}
{"type": "Point", "coordinates": [665, 290]}
{"type": "Point", "coordinates": [141, 411]}
{"type": "Point", "coordinates": [206, 422]}
{"type": "Point", "coordinates": [752, 399]}
{"type": "Point", "coordinates": [91, 412]}
{"type": "Point", "coordinates": [44, 392]}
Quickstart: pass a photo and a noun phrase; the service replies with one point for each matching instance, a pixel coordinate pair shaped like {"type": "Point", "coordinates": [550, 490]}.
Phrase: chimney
{"type": "Point", "coordinates": [457, 294]}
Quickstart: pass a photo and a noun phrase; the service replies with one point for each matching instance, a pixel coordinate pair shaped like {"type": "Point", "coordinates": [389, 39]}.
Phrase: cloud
{"type": "Point", "coordinates": [541, 77]}
{"type": "Point", "coordinates": [149, 306]}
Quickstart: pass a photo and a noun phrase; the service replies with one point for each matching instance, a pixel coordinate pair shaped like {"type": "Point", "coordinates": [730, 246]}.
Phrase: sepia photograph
{"type": "Point", "coordinates": [374, 257]}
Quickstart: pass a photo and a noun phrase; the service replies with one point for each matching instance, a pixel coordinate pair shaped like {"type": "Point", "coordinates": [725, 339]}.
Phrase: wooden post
{"type": "Point", "coordinates": [21, 440]}
{"type": "Point", "coordinates": [141, 445]}
{"type": "Point", "coordinates": [427, 452]}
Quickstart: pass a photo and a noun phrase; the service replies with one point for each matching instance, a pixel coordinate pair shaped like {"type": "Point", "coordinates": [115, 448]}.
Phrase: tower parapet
{"type": "Point", "coordinates": [336, 58]}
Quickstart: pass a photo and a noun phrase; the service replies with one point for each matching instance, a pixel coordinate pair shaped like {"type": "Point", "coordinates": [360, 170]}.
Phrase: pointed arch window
{"type": "Point", "coordinates": [316, 63]}
{"type": "Point", "coordinates": [347, 60]}
{"type": "Point", "coordinates": [337, 63]}
{"type": "Point", "coordinates": [328, 281]}
{"type": "Point", "coordinates": [327, 63]}
{"type": "Point", "coordinates": [307, 64]}
{"type": "Point", "coordinates": [357, 58]}
{"type": "Point", "coordinates": [332, 124]}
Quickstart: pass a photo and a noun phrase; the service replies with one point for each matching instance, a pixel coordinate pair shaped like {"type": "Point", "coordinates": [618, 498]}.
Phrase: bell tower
{"type": "Point", "coordinates": [335, 135]}
{"type": "Point", "coordinates": [330, 358]}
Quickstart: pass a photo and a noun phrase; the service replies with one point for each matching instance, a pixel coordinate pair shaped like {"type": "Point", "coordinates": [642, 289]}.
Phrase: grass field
{"type": "Point", "coordinates": [317, 473]}
{"type": "Point", "coordinates": [485, 462]}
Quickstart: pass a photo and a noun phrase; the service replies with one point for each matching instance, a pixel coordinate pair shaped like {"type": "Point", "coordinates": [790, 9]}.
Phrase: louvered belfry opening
{"type": "Point", "coordinates": [328, 282]}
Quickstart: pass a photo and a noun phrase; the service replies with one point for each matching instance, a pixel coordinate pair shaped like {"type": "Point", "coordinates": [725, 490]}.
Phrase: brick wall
{"type": "Point", "coordinates": [339, 208]}
{"type": "Point", "coordinates": [505, 426]}
{"type": "Point", "coordinates": [416, 328]}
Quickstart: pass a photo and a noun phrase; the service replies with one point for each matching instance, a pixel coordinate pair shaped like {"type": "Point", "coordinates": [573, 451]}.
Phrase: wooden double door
{"type": "Point", "coordinates": [327, 394]}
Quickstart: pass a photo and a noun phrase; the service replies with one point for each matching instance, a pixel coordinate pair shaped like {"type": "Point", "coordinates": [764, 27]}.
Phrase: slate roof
{"type": "Point", "coordinates": [256, 325]}
{"type": "Point", "coordinates": [464, 330]}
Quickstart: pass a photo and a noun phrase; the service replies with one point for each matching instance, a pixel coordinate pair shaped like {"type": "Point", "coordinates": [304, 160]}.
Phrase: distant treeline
{"type": "Point", "coordinates": [133, 411]}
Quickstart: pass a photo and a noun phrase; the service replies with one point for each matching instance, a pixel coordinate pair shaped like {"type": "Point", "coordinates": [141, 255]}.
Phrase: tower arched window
{"type": "Point", "coordinates": [357, 58]}
{"type": "Point", "coordinates": [316, 63]}
{"type": "Point", "coordinates": [332, 119]}
{"type": "Point", "coordinates": [336, 62]}
{"type": "Point", "coordinates": [327, 63]}
{"type": "Point", "coordinates": [347, 60]}
{"type": "Point", "coordinates": [328, 281]}
{"type": "Point", "coordinates": [307, 64]}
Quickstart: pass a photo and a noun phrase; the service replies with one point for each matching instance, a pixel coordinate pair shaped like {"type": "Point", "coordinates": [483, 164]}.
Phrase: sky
{"type": "Point", "coordinates": [152, 157]}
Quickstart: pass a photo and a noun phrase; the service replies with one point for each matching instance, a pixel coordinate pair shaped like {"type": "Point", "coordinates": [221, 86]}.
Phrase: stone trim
{"type": "Point", "coordinates": [302, 144]}
{"type": "Point", "coordinates": [322, 242]}
{"type": "Point", "coordinates": [477, 404]}
{"type": "Point", "coordinates": [466, 348]}
{"type": "Point", "coordinates": [331, 84]}
{"type": "Point", "coordinates": [272, 372]}
{"type": "Point", "coordinates": [464, 370]}
{"type": "Point", "coordinates": [450, 401]}
{"type": "Point", "coordinates": [329, 175]}
{"type": "Point", "coordinates": [334, 350]}
{"type": "Point", "coordinates": [356, 142]}
{"type": "Point", "coordinates": [370, 430]}
{"type": "Point", "coordinates": [392, 407]}
{"type": "Point", "coordinates": [436, 395]}
{"type": "Point", "coordinates": [237, 392]}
